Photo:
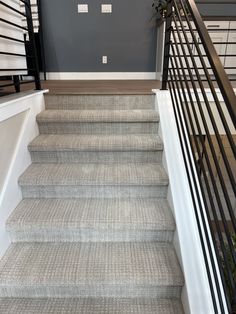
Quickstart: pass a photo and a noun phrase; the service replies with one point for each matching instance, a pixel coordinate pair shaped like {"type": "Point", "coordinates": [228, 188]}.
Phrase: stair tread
{"type": "Point", "coordinates": [90, 305]}
{"type": "Point", "coordinates": [112, 214]}
{"type": "Point", "coordinates": [79, 264]}
{"type": "Point", "coordinates": [77, 142]}
{"type": "Point", "coordinates": [98, 116]}
{"type": "Point", "coordinates": [94, 174]}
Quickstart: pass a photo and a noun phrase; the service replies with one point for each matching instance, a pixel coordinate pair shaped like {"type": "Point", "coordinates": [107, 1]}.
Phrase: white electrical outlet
{"type": "Point", "coordinates": [106, 8]}
{"type": "Point", "coordinates": [104, 59]}
{"type": "Point", "coordinates": [82, 8]}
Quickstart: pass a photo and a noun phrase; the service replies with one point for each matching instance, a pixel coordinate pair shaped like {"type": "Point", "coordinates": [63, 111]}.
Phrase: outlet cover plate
{"type": "Point", "coordinates": [104, 59]}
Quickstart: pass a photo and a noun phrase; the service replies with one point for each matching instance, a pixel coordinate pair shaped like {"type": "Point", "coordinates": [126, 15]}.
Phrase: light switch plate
{"type": "Point", "coordinates": [106, 8]}
{"type": "Point", "coordinates": [82, 8]}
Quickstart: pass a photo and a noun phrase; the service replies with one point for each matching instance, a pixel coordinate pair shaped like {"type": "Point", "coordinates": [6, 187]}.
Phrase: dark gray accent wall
{"type": "Point", "coordinates": [76, 42]}
{"type": "Point", "coordinates": [215, 9]}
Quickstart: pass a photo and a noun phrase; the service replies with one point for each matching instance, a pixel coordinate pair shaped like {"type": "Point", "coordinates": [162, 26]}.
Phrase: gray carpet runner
{"type": "Point", "coordinates": [90, 305]}
{"type": "Point", "coordinates": [62, 220]}
{"type": "Point", "coordinates": [63, 148]}
{"type": "Point", "coordinates": [94, 231]}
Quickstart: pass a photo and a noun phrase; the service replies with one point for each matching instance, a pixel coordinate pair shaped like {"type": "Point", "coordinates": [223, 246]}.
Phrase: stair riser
{"type": "Point", "coordinates": [90, 306]}
{"type": "Point", "coordinates": [96, 157]}
{"type": "Point", "coordinates": [99, 102]}
{"type": "Point", "coordinates": [52, 191]}
{"type": "Point", "coordinates": [98, 128]}
{"type": "Point", "coordinates": [88, 235]}
{"type": "Point", "coordinates": [118, 291]}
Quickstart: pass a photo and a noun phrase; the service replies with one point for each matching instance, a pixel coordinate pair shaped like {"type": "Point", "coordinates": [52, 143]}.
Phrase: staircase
{"type": "Point", "coordinates": [94, 231]}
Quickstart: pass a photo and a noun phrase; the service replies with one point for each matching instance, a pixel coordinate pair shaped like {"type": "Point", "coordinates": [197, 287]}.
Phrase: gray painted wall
{"type": "Point", "coordinates": [217, 9]}
{"type": "Point", "coordinates": [76, 42]}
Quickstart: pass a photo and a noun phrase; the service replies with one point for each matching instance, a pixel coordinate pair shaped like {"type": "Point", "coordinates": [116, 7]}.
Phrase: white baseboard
{"type": "Point", "coordinates": [102, 75]}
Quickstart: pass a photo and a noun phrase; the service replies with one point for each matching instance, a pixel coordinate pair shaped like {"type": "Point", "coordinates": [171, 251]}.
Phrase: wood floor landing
{"type": "Point", "coordinates": [83, 87]}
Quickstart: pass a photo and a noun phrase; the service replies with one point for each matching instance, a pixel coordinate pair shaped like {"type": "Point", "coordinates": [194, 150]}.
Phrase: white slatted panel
{"type": "Point", "coordinates": [11, 62]}
{"type": "Point", "coordinates": [34, 9]}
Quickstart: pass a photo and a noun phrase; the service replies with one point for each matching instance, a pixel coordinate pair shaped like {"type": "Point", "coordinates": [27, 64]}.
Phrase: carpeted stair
{"type": "Point", "coordinates": [64, 148]}
{"type": "Point", "coordinates": [94, 231]}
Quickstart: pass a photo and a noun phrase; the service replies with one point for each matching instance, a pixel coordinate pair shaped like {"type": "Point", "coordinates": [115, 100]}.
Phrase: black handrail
{"type": "Point", "coordinates": [26, 3]}
{"type": "Point", "coordinates": [191, 65]}
{"type": "Point", "coordinates": [33, 69]}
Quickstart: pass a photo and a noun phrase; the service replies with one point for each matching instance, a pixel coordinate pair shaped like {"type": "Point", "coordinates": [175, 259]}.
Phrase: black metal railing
{"type": "Point", "coordinates": [204, 103]}
{"type": "Point", "coordinates": [32, 65]}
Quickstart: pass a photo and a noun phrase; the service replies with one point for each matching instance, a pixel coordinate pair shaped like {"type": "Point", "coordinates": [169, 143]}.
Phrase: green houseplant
{"type": "Point", "coordinates": [160, 7]}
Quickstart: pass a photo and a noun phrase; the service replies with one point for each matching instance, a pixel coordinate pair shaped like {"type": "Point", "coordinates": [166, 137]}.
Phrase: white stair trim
{"type": "Point", "coordinates": [33, 103]}
{"type": "Point", "coordinates": [102, 75]}
{"type": "Point", "coordinates": [196, 295]}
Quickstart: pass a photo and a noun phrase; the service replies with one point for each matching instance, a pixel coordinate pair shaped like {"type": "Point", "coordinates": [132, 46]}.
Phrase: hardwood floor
{"type": "Point", "coordinates": [96, 87]}
{"type": "Point", "coordinates": [84, 87]}
{"type": "Point", "coordinates": [103, 87]}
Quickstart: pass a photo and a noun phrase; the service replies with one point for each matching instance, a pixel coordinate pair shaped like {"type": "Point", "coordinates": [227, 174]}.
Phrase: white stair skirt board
{"type": "Point", "coordinates": [102, 75]}
{"type": "Point", "coordinates": [187, 234]}
{"type": "Point", "coordinates": [32, 103]}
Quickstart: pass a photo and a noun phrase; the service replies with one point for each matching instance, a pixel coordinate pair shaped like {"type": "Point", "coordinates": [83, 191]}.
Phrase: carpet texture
{"type": "Point", "coordinates": [91, 220]}
{"type": "Point", "coordinates": [94, 180]}
{"type": "Point", "coordinates": [61, 148]}
{"type": "Point", "coordinates": [98, 122]}
{"type": "Point", "coordinates": [93, 174]}
{"type": "Point", "coordinates": [90, 269]}
{"type": "Point", "coordinates": [101, 128]}
{"type": "Point", "coordinates": [98, 116]}
{"type": "Point", "coordinates": [94, 230]}
{"type": "Point", "coordinates": [90, 306]}
{"type": "Point", "coordinates": [99, 102]}
{"type": "Point", "coordinates": [96, 143]}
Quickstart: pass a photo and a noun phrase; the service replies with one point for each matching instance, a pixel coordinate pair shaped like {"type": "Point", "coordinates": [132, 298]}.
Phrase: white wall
{"type": "Point", "coordinates": [9, 136]}
{"type": "Point", "coordinates": [102, 75]}
{"type": "Point", "coordinates": [11, 62]}
{"type": "Point", "coordinates": [18, 128]}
